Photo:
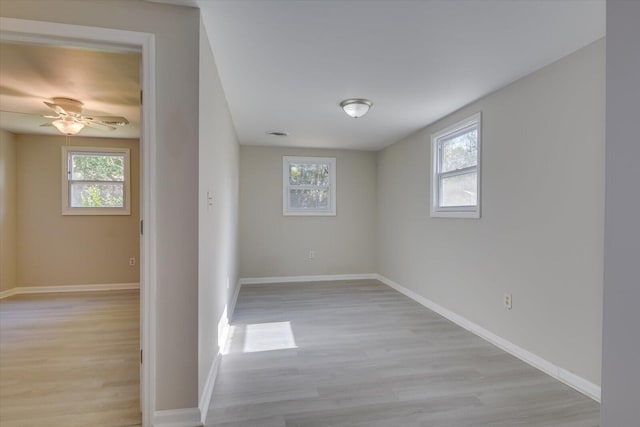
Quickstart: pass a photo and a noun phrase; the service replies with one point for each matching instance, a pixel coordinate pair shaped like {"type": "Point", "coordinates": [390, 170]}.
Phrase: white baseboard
{"type": "Point", "coordinates": [209, 386]}
{"type": "Point", "coordinates": [223, 328]}
{"type": "Point", "coordinates": [233, 301]}
{"type": "Point", "coordinates": [316, 278]}
{"type": "Point", "coordinates": [223, 341]}
{"type": "Point", "coordinates": [7, 293]}
{"type": "Point", "coordinates": [187, 417]}
{"type": "Point", "coordinates": [572, 380]}
{"type": "Point", "coordinates": [224, 325]}
{"type": "Point", "coordinates": [18, 290]}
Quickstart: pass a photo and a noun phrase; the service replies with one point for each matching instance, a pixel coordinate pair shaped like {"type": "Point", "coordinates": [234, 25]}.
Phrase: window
{"type": "Point", "coordinates": [95, 181]}
{"type": "Point", "coordinates": [309, 186]}
{"type": "Point", "coordinates": [455, 178]}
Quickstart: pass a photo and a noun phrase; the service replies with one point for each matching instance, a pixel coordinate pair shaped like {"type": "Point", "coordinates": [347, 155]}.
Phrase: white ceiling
{"type": "Point", "coordinates": [108, 83]}
{"type": "Point", "coordinates": [286, 65]}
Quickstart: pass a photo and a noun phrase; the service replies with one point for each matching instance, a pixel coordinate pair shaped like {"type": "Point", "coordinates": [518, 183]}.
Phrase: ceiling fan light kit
{"type": "Point", "coordinates": [68, 126]}
{"type": "Point", "coordinates": [356, 107]}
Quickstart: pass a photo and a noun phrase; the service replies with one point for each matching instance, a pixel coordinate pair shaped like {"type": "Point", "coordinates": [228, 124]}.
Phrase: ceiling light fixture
{"type": "Point", "coordinates": [67, 125]}
{"type": "Point", "coordinates": [356, 107]}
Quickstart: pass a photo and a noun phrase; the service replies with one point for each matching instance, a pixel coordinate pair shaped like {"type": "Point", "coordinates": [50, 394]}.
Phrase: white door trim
{"type": "Point", "coordinates": [40, 32]}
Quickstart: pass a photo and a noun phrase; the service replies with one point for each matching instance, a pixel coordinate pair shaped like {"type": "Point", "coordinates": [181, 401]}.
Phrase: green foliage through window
{"type": "Point", "coordinates": [97, 167]}
{"type": "Point", "coordinates": [97, 180]}
{"type": "Point", "coordinates": [460, 152]}
{"type": "Point", "coordinates": [309, 174]}
{"type": "Point", "coordinates": [455, 182]}
{"type": "Point", "coordinates": [309, 185]}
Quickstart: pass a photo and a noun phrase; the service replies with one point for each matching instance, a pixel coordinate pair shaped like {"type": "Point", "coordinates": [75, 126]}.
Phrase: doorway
{"type": "Point", "coordinates": [72, 36]}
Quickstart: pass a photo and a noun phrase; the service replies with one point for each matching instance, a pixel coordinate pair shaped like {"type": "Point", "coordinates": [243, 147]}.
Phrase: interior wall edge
{"type": "Point", "coordinates": [224, 339]}
{"type": "Point", "coordinates": [621, 335]}
{"type": "Point", "coordinates": [8, 211]}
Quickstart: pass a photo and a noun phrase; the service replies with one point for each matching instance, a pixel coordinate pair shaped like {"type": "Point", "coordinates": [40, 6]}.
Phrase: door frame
{"type": "Point", "coordinates": [57, 34]}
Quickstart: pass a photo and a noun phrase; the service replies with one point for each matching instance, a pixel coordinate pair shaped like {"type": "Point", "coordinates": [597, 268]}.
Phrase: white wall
{"type": "Point", "coordinates": [540, 236]}
{"type": "Point", "coordinates": [177, 31]}
{"type": "Point", "coordinates": [218, 223]}
{"type": "Point", "coordinates": [621, 340]}
{"type": "Point", "coordinates": [275, 245]}
{"type": "Point", "coordinates": [8, 211]}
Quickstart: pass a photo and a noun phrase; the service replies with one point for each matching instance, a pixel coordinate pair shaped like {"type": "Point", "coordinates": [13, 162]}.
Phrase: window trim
{"type": "Point", "coordinates": [438, 211]}
{"type": "Point", "coordinates": [286, 161]}
{"type": "Point", "coordinates": [66, 183]}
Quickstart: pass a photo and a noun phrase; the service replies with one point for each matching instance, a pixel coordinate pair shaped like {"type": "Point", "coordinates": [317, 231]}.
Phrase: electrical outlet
{"type": "Point", "coordinates": [507, 300]}
{"type": "Point", "coordinates": [132, 261]}
{"type": "Point", "coordinates": [312, 255]}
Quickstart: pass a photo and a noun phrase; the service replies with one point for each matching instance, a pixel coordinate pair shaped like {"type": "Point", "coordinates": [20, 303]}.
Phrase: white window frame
{"type": "Point", "coordinates": [437, 138]}
{"type": "Point", "coordinates": [286, 186]}
{"type": "Point", "coordinates": [66, 181]}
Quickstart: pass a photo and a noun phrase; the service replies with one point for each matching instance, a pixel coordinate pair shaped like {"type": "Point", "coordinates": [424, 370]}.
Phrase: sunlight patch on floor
{"type": "Point", "coordinates": [265, 336]}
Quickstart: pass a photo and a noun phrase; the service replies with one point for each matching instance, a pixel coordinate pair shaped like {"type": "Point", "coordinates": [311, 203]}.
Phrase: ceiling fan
{"type": "Point", "coordinates": [70, 120]}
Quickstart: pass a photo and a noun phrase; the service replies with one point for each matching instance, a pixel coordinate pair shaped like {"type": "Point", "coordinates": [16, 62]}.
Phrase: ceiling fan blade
{"type": "Point", "coordinates": [46, 124]}
{"type": "Point", "coordinates": [110, 120]}
{"type": "Point", "coordinates": [51, 117]}
{"type": "Point", "coordinates": [97, 125]}
{"type": "Point", "coordinates": [55, 107]}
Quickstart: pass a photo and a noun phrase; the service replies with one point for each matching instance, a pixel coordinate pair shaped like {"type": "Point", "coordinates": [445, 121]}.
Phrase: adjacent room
{"type": "Point", "coordinates": [317, 213]}
{"type": "Point", "coordinates": [69, 313]}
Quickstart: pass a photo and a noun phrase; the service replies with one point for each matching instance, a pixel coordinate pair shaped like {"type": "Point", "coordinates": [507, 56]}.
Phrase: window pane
{"type": "Point", "coordinates": [93, 195]}
{"type": "Point", "coordinates": [97, 167]}
{"type": "Point", "coordinates": [309, 174]}
{"type": "Point", "coordinates": [460, 190]}
{"type": "Point", "coordinates": [460, 152]}
{"type": "Point", "coordinates": [309, 199]}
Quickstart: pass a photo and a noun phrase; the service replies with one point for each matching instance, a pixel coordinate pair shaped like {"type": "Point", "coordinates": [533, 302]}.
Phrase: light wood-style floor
{"type": "Point", "coordinates": [70, 359]}
{"type": "Point", "coordinates": [361, 354]}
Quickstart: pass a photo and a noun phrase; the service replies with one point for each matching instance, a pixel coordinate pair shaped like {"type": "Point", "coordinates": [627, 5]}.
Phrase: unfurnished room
{"type": "Point", "coordinates": [308, 213]}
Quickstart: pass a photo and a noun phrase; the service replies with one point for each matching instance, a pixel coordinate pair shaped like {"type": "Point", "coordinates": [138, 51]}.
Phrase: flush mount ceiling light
{"type": "Point", "coordinates": [356, 107]}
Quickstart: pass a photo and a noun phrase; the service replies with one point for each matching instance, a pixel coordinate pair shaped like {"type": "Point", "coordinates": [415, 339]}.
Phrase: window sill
{"type": "Point", "coordinates": [308, 214]}
{"type": "Point", "coordinates": [456, 214]}
{"type": "Point", "coordinates": [96, 211]}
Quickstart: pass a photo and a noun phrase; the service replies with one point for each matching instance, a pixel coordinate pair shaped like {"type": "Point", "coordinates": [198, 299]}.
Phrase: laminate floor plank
{"type": "Point", "coordinates": [357, 353]}
{"type": "Point", "coordinates": [70, 359]}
